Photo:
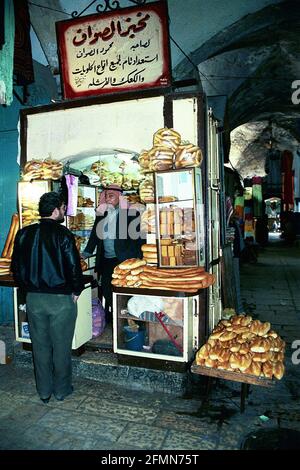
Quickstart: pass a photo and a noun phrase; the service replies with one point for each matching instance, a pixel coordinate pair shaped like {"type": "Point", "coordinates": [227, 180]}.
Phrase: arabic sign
{"type": "Point", "coordinates": [117, 51]}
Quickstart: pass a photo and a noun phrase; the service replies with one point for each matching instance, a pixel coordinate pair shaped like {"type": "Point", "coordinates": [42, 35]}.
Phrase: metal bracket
{"type": "Point", "coordinates": [25, 95]}
{"type": "Point", "coordinates": [109, 5]}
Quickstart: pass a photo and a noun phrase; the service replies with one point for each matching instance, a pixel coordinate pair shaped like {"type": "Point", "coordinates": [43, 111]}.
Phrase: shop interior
{"type": "Point", "coordinates": [103, 157]}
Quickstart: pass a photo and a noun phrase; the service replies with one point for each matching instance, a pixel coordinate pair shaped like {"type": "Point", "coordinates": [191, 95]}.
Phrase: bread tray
{"type": "Point", "coordinates": [234, 376]}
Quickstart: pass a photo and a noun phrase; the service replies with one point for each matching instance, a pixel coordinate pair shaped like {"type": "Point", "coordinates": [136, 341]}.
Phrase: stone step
{"type": "Point", "coordinates": [104, 367]}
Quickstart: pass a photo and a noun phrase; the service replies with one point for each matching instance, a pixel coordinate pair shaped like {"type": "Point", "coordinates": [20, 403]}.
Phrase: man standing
{"type": "Point", "coordinates": [117, 236]}
{"type": "Point", "coordinates": [46, 265]}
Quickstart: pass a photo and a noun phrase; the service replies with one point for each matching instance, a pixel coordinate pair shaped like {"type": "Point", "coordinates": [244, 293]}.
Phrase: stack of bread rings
{"type": "Point", "coordinates": [150, 253]}
{"type": "Point", "coordinates": [146, 190]}
{"type": "Point", "coordinates": [188, 155]}
{"type": "Point", "coordinates": [169, 152]}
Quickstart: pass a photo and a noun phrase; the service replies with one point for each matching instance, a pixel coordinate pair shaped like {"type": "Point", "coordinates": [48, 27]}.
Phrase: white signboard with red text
{"type": "Point", "coordinates": [123, 50]}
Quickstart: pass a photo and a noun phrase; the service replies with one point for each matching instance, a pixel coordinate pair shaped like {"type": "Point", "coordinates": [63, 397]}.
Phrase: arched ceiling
{"type": "Point", "coordinates": [254, 63]}
{"type": "Point", "coordinates": [246, 50]}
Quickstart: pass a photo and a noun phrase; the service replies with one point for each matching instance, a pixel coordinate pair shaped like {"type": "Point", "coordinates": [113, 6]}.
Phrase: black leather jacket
{"type": "Point", "coordinates": [45, 259]}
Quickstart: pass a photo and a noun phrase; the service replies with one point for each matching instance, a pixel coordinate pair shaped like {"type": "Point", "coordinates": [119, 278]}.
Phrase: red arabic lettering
{"type": "Point", "coordinates": [109, 31]}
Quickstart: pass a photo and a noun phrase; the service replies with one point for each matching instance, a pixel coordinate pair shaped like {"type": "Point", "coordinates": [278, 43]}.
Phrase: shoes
{"type": "Point", "coordinates": [58, 398]}
{"type": "Point", "coordinates": [46, 400]}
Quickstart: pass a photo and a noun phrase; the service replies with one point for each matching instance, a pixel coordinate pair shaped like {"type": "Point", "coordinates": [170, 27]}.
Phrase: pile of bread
{"type": "Point", "coordinates": [84, 201]}
{"type": "Point", "coordinates": [148, 220]}
{"type": "Point", "coordinates": [47, 169]}
{"type": "Point", "coordinates": [135, 272]}
{"type": "Point", "coordinates": [169, 152]}
{"type": "Point", "coordinates": [83, 264]}
{"type": "Point", "coordinates": [107, 177]}
{"type": "Point", "coordinates": [6, 254]}
{"type": "Point", "coordinates": [29, 216]}
{"type": "Point", "coordinates": [171, 252]}
{"type": "Point", "coordinates": [245, 346]}
{"type": "Point", "coordinates": [150, 253]}
{"type": "Point", "coordinates": [146, 190]}
{"type": "Point", "coordinates": [29, 206]}
{"type": "Point", "coordinates": [133, 198]}
{"type": "Point", "coordinates": [81, 221]}
{"type": "Point", "coordinates": [177, 230]}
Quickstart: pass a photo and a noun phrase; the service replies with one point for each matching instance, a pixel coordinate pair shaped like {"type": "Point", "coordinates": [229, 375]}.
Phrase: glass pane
{"type": "Point", "coordinates": [82, 223]}
{"type": "Point", "coordinates": [176, 185]}
{"type": "Point", "coordinates": [150, 324]}
{"type": "Point", "coordinates": [29, 194]}
{"type": "Point", "coordinates": [176, 213]}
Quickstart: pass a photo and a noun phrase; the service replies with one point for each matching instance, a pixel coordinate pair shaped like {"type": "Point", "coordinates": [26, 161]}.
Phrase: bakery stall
{"type": "Point", "coordinates": [165, 136]}
{"type": "Point", "coordinates": [40, 176]}
{"type": "Point", "coordinates": [160, 301]}
{"type": "Point", "coordinates": [28, 197]}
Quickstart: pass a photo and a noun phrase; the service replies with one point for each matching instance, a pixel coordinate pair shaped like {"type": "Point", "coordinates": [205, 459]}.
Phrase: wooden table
{"type": "Point", "coordinates": [245, 379]}
{"type": "Point", "coordinates": [7, 281]}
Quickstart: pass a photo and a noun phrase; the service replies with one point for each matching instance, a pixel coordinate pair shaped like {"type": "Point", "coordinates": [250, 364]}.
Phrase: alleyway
{"type": "Point", "coordinates": [100, 416]}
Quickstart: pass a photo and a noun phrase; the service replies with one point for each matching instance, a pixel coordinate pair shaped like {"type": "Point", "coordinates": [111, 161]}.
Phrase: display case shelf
{"type": "Point", "coordinates": [174, 339]}
{"type": "Point", "coordinates": [154, 319]}
{"type": "Point", "coordinates": [159, 292]}
{"type": "Point", "coordinates": [176, 202]}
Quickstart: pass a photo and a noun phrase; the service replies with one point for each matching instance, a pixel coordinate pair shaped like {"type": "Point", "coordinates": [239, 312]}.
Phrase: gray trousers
{"type": "Point", "coordinates": [52, 319]}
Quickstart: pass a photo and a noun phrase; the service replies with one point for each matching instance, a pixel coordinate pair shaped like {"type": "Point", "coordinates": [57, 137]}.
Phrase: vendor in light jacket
{"type": "Point", "coordinates": [117, 236]}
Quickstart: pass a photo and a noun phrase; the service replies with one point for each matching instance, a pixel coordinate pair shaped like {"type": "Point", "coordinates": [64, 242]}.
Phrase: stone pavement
{"type": "Point", "coordinates": [107, 416]}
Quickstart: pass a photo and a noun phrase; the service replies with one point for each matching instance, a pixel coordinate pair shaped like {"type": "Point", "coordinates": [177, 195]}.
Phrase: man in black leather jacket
{"type": "Point", "coordinates": [46, 265]}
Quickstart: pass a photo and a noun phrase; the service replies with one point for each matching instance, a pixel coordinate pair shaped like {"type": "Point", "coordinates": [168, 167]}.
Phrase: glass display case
{"type": "Point", "coordinates": [161, 327]}
{"type": "Point", "coordinates": [180, 218]}
{"type": "Point", "coordinates": [83, 326]}
{"type": "Point", "coordinates": [29, 193]}
{"type": "Point", "coordinates": [82, 223]}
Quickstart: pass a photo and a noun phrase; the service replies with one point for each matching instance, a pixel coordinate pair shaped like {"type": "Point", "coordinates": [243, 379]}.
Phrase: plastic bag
{"type": "Point", "coordinates": [137, 305]}
{"type": "Point", "coordinates": [98, 318]}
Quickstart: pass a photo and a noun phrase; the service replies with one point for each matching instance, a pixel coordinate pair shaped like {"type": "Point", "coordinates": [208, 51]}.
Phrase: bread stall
{"type": "Point", "coordinates": [87, 134]}
{"type": "Point", "coordinates": [241, 349]}
{"type": "Point", "coordinates": [159, 301]}
{"type": "Point", "coordinates": [28, 197]}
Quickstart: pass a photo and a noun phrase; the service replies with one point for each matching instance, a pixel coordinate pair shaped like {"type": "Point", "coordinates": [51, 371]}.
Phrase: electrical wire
{"type": "Point", "coordinates": [49, 8]}
{"type": "Point", "coordinates": [206, 77]}
{"type": "Point", "coordinates": [233, 77]}
{"type": "Point", "coordinates": [193, 64]}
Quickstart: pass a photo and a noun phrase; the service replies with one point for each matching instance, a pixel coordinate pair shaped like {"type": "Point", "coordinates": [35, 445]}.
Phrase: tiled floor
{"type": "Point", "coordinates": [102, 416]}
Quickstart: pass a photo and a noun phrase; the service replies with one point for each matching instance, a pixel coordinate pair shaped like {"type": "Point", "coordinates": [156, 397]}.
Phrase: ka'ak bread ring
{"type": "Point", "coordinates": [14, 226]}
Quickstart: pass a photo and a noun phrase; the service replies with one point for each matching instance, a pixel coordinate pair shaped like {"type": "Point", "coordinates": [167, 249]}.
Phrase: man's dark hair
{"type": "Point", "coordinates": [48, 202]}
